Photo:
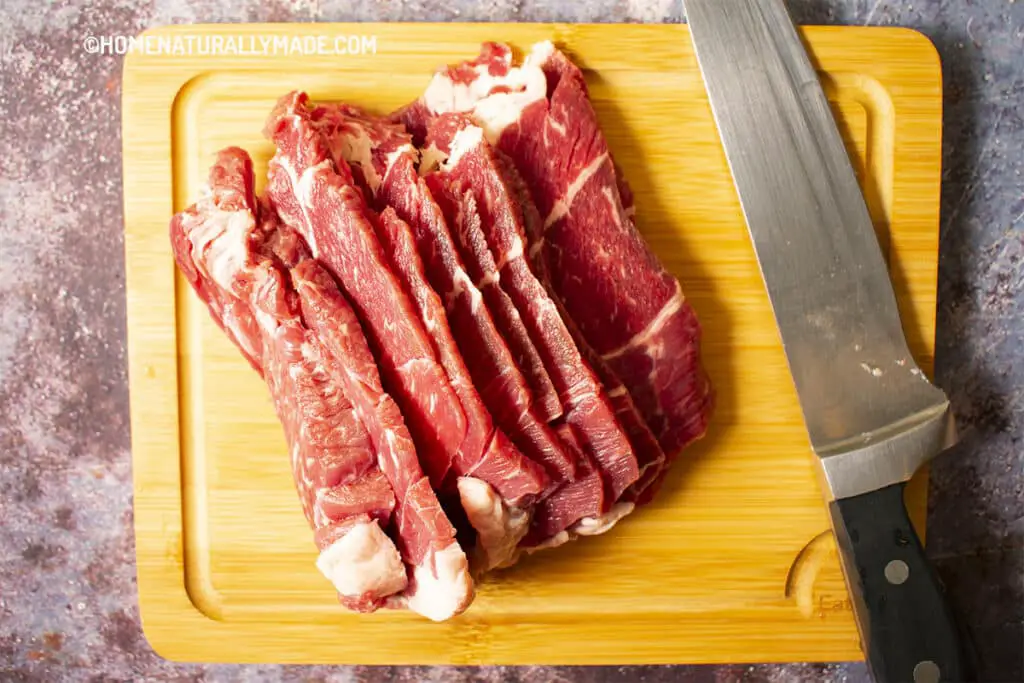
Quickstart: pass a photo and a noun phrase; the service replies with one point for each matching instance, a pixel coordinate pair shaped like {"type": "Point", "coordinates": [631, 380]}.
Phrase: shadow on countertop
{"type": "Point", "coordinates": [976, 499]}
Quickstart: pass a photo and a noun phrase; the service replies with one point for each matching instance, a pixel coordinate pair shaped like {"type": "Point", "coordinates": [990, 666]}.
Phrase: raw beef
{"type": "Point", "coordinates": [335, 469]}
{"type": "Point", "coordinates": [473, 168]}
{"type": "Point", "coordinates": [650, 457]}
{"type": "Point", "coordinates": [627, 307]}
{"type": "Point", "coordinates": [578, 497]}
{"type": "Point", "coordinates": [497, 486]}
{"type": "Point", "coordinates": [575, 501]}
{"type": "Point", "coordinates": [386, 160]}
{"type": "Point", "coordinates": [236, 264]}
{"type": "Point", "coordinates": [481, 271]}
{"type": "Point", "coordinates": [366, 142]}
{"type": "Point", "coordinates": [319, 200]}
{"type": "Point", "coordinates": [439, 583]}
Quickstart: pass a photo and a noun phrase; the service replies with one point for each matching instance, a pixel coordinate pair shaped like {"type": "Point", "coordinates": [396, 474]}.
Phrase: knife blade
{"type": "Point", "coordinates": [871, 414]}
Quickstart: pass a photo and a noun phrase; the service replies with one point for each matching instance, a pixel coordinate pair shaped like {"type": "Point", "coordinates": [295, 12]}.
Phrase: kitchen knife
{"type": "Point", "coordinates": [872, 416]}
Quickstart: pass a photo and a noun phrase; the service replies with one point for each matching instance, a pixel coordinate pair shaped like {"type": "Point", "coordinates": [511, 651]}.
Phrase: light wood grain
{"type": "Point", "coordinates": [710, 572]}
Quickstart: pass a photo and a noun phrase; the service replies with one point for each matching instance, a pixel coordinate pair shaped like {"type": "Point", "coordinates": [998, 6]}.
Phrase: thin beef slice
{"type": "Point", "coordinates": [650, 457]}
{"type": "Point", "coordinates": [439, 583]}
{"type": "Point", "coordinates": [366, 143]}
{"type": "Point", "coordinates": [495, 484]}
{"type": "Point", "coordinates": [580, 497]}
{"type": "Point", "coordinates": [386, 160]}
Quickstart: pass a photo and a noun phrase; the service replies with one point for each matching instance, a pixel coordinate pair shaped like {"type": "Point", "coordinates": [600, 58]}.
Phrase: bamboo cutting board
{"type": "Point", "coordinates": [732, 563]}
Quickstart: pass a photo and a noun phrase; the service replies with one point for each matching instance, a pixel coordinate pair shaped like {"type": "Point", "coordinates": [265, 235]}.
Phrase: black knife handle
{"type": "Point", "coordinates": [907, 628]}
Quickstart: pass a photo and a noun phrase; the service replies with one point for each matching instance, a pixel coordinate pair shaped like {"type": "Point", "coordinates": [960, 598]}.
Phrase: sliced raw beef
{"type": "Point", "coordinates": [210, 264]}
{"type": "Point", "coordinates": [236, 264]}
{"type": "Point", "coordinates": [352, 134]}
{"type": "Point", "coordinates": [497, 486]}
{"type": "Point", "coordinates": [347, 499]}
{"type": "Point", "coordinates": [439, 584]}
{"type": "Point", "coordinates": [473, 168]}
{"type": "Point", "coordinates": [650, 457]}
{"type": "Point", "coordinates": [383, 153]}
{"type": "Point", "coordinates": [583, 495]}
{"type": "Point", "coordinates": [320, 200]}
{"type": "Point", "coordinates": [480, 268]}
{"type": "Point", "coordinates": [386, 160]}
{"type": "Point", "coordinates": [627, 307]}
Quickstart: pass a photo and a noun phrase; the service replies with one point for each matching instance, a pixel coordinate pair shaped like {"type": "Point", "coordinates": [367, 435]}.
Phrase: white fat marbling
{"type": "Point", "coordinates": [644, 336]}
{"type": "Point", "coordinates": [564, 203]}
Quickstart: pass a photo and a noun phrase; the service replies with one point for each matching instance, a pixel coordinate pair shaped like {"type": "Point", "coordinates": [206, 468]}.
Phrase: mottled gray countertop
{"type": "Point", "coordinates": [67, 578]}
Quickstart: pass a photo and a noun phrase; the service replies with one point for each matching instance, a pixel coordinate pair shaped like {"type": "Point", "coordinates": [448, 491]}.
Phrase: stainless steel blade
{"type": "Point", "coordinates": [872, 416]}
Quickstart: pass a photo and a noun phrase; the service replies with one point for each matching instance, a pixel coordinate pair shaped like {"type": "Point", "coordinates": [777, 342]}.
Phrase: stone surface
{"type": "Point", "coordinates": [67, 581]}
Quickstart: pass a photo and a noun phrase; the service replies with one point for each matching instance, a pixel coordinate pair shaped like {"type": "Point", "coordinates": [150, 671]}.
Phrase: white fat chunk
{"type": "Point", "coordinates": [443, 586]}
{"type": "Point", "coordinates": [541, 52]}
{"type": "Point", "coordinates": [220, 242]}
{"type": "Point", "coordinates": [499, 528]}
{"type": "Point", "coordinates": [493, 111]}
{"type": "Point", "coordinates": [363, 561]}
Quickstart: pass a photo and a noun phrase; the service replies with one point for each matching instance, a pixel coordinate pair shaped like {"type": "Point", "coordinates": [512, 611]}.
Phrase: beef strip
{"type": "Point", "coordinates": [365, 142]}
{"type": "Point", "coordinates": [649, 454]}
{"type": "Point", "coordinates": [439, 583]}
